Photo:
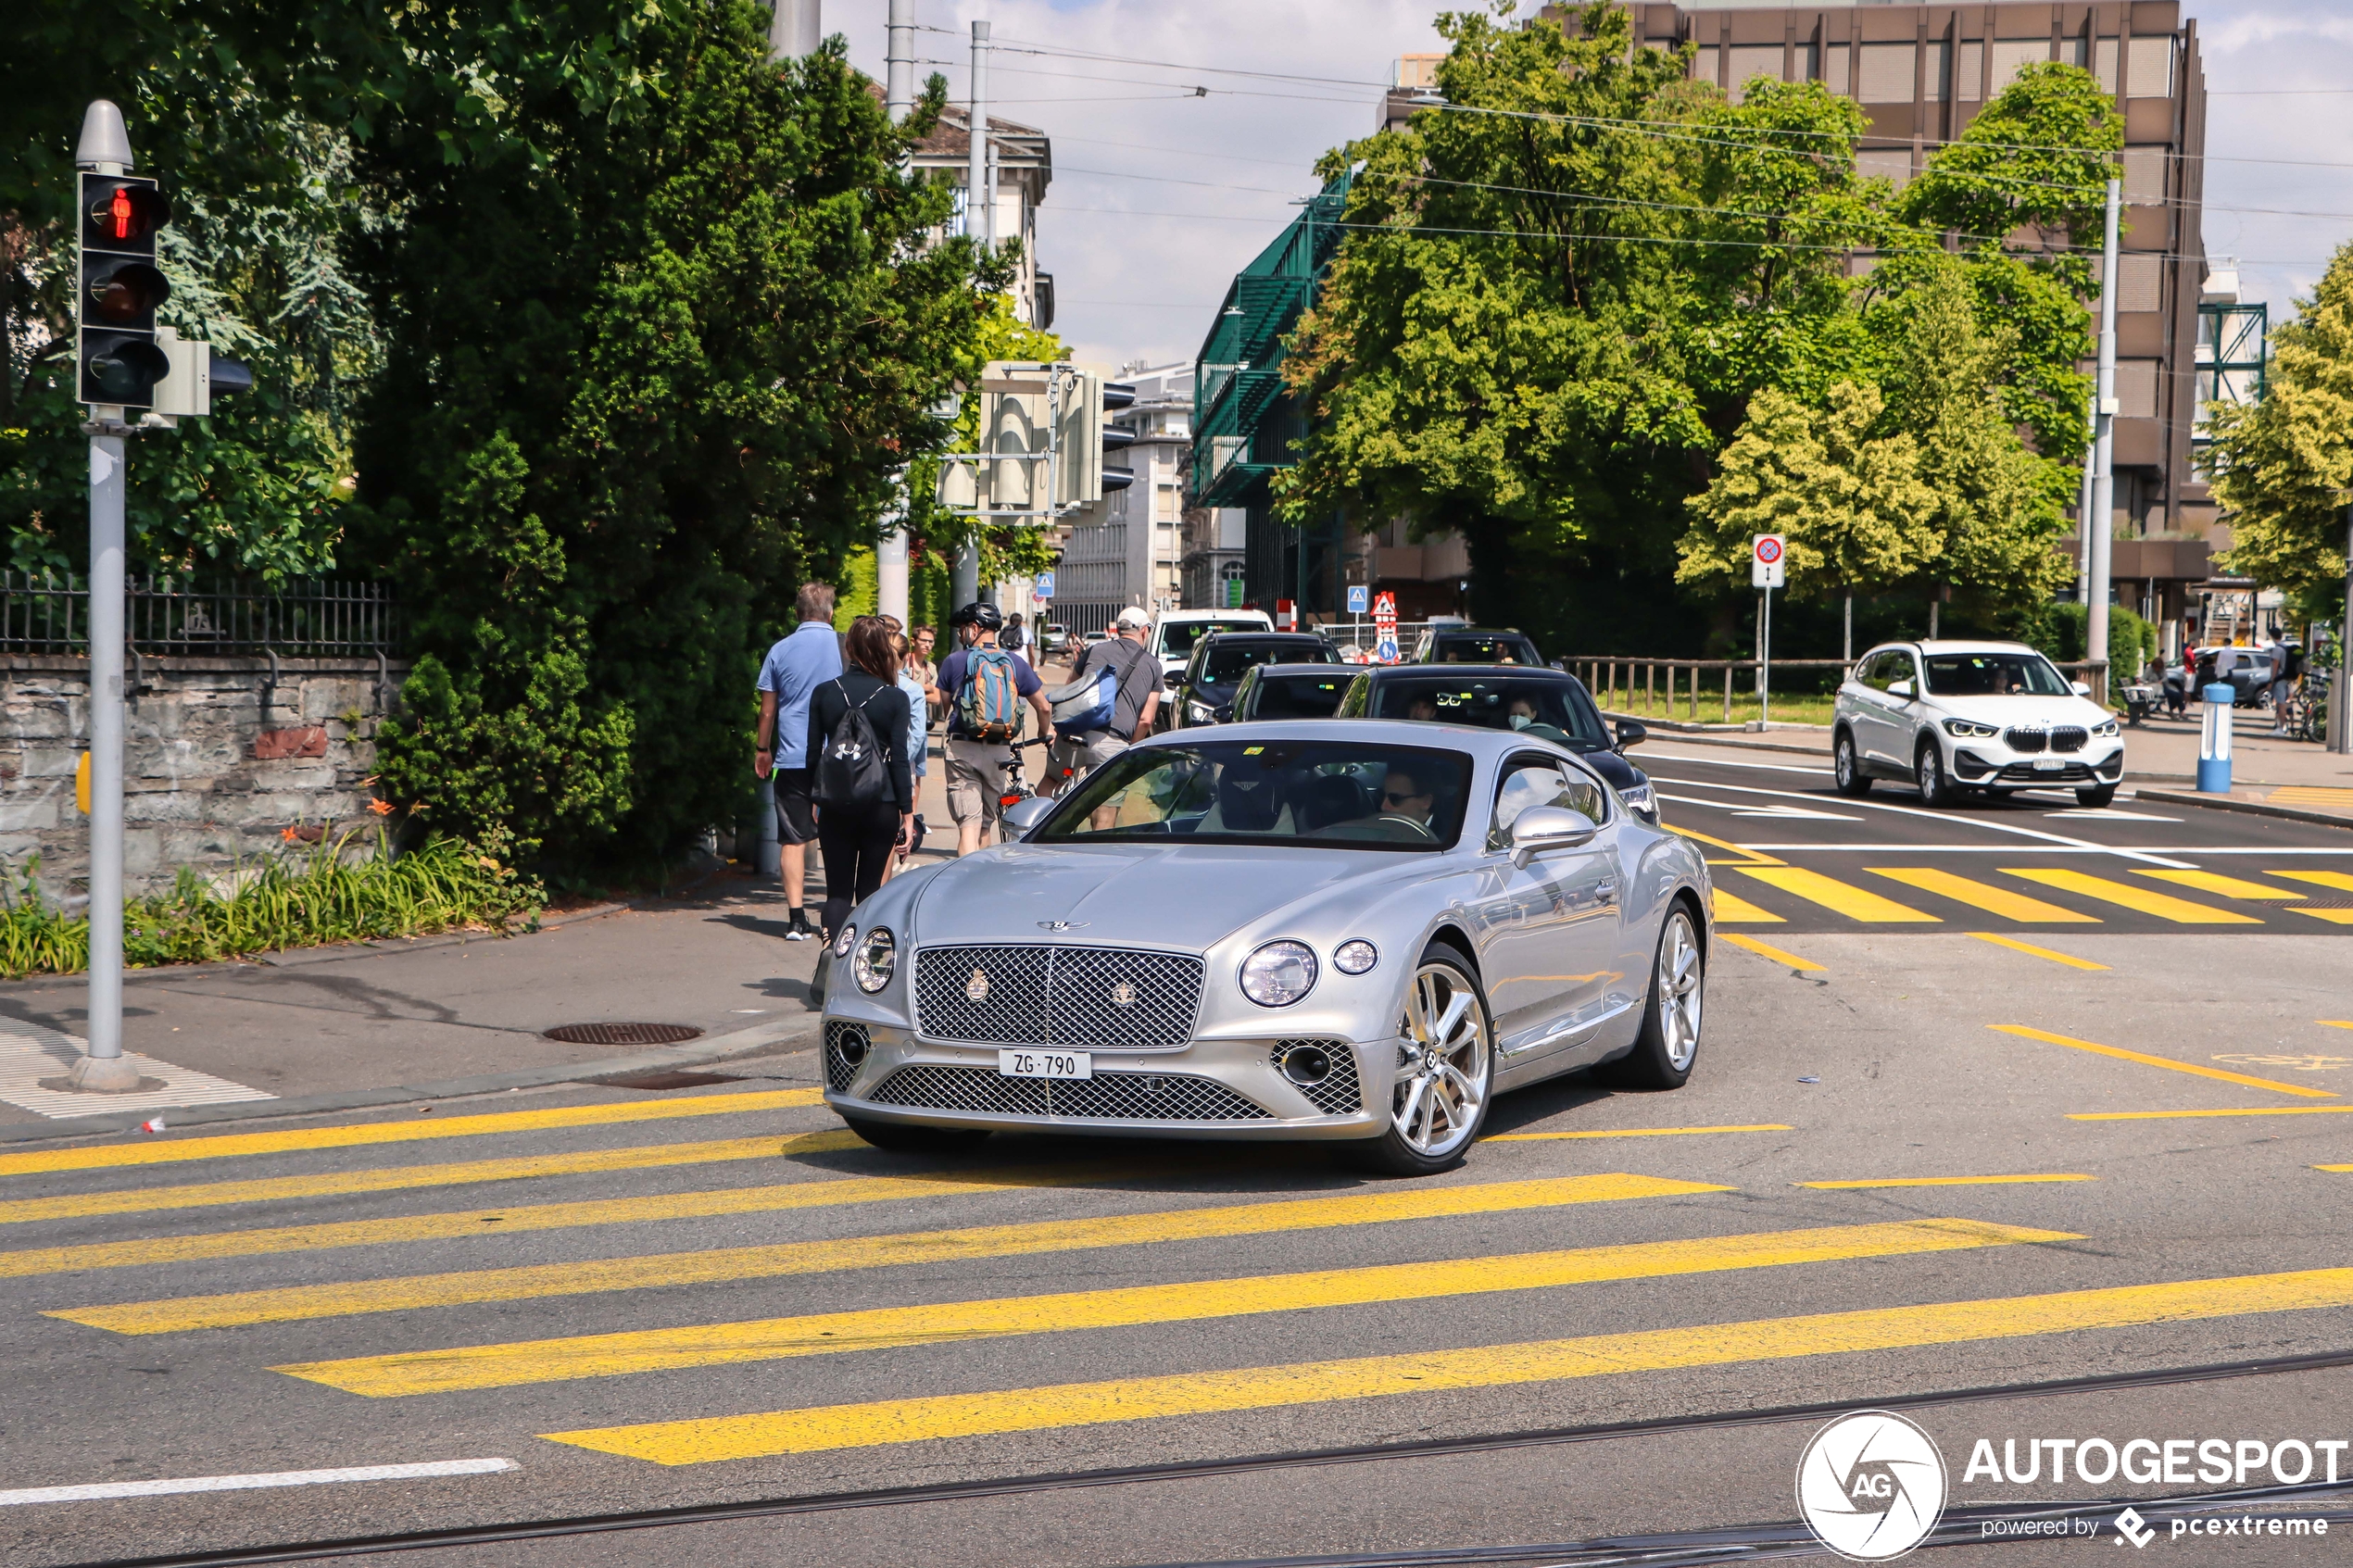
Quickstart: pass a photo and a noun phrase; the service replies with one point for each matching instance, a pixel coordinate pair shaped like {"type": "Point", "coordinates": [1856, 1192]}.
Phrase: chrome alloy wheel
{"type": "Point", "coordinates": [1443, 1063]}
{"type": "Point", "coordinates": [1682, 991]}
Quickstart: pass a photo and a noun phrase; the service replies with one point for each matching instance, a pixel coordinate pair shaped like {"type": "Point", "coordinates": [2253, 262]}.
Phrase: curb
{"type": "Point", "coordinates": [2251, 808]}
{"type": "Point", "coordinates": [757, 1040]}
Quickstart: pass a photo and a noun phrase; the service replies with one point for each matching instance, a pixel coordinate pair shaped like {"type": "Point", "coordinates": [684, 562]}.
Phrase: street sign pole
{"type": "Point", "coordinates": [1764, 666]}
{"type": "Point", "coordinates": [2340, 719]}
{"type": "Point", "coordinates": [1768, 570]}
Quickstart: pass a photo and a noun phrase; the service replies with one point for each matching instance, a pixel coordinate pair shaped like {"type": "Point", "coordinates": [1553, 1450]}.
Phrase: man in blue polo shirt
{"type": "Point", "coordinates": [795, 667]}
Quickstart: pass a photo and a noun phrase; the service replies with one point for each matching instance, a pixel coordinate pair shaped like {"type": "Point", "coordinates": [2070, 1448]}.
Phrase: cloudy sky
{"type": "Point", "coordinates": [1161, 192]}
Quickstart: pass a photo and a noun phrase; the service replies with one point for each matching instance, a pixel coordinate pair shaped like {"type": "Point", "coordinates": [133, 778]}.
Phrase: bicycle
{"type": "Point", "coordinates": [2306, 717]}
{"type": "Point", "coordinates": [1016, 788]}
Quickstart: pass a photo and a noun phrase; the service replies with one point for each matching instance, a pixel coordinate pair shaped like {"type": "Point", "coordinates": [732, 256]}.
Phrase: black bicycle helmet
{"type": "Point", "coordinates": [980, 613]}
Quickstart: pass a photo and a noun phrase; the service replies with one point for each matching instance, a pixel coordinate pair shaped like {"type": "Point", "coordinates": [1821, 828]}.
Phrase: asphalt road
{"type": "Point", "coordinates": [1911, 1161]}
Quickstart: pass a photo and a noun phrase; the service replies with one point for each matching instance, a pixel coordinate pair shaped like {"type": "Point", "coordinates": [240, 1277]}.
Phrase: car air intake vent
{"type": "Point", "coordinates": [845, 1052]}
{"type": "Point", "coordinates": [1118, 1097]}
{"type": "Point", "coordinates": [2025, 740]}
{"type": "Point", "coordinates": [2068, 738]}
{"type": "Point", "coordinates": [1324, 1071]}
{"type": "Point", "coordinates": [1094, 999]}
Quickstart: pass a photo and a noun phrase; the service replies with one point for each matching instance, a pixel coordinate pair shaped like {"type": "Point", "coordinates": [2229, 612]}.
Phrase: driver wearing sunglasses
{"type": "Point", "coordinates": [1403, 796]}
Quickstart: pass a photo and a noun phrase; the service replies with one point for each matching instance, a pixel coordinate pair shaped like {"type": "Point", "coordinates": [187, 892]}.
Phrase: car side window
{"type": "Point", "coordinates": [1897, 666]}
{"type": "Point", "coordinates": [1867, 671]}
{"type": "Point", "coordinates": [1528, 782]}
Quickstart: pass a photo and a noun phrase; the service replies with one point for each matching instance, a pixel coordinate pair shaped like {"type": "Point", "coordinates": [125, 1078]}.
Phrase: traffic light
{"type": "Point", "coordinates": [1081, 438]}
{"type": "Point", "coordinates": [121, 361]}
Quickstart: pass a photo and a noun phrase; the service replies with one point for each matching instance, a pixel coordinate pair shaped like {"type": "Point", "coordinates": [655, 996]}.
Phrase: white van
{"type": "Point", "coordinates": [1176, 630]}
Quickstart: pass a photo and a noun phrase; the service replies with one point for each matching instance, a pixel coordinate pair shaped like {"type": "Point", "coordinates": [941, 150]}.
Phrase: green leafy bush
{"type": "Point", "coordinates": [297, 899]}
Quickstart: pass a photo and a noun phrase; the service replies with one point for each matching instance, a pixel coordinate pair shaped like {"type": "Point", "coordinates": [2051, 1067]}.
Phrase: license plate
{"type": "Point", "coordinates": [1045, 1064]}
{"type": "Point", "coordinates": [2048, 764]}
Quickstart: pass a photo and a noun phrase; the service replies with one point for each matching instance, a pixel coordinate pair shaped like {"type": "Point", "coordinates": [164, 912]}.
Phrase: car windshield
{"type": "Point", "coordinates": [1340, 794]}
{"type": "Point", "coordinates": [1230, 658]}
{"type": "Point", "coordinates": [1994, 675]}
{"type": "Point", "coordinates": [1552, 710]}
{"type": "Point", "coordinates": [1299, 696]}
{"type": "Point", "coordinates": [1481, 647]}
{"type": "Point", "coordinates": [1177, 638]}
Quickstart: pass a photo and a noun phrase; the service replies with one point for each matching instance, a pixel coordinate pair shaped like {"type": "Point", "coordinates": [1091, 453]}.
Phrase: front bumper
{"type": "Point", "coordinates": [1223, 1089]}
{"type": "Point", "coordinates": [1984, 763]}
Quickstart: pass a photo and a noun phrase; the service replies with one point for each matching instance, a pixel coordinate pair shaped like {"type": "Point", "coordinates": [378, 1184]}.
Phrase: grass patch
{"type": "Point", "coordinates": [293, 899]}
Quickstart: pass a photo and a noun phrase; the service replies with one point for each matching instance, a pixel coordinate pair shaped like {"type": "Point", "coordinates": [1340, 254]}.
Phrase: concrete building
{"type": "Point", "coordinates": [1128, 548]}
{"type": "Point", "coordinates": [1023, 157]}
{"type": "Point", "coordinates": [1921, 73]}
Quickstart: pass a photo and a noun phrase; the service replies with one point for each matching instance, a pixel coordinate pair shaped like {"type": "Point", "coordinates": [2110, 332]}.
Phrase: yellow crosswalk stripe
{"type": "Point", "coordinates": [401, 1178]}
{"type": "Point", "coordinates": [1731, 908]}
{"type": "Point", "coordinates": [2145, 900]}
{"type": "Point", "coordinates": [531, 1217]}
{"type": "Point", "coordinates": [2188, 1115]}
{"type": "Point", "coordinates": [610, 1355]}
{"type": "Point", "coordinates": [863, 1252]}
{"type": "Point", "coordinates": [1840, 897]}
{"type": "Point", "coordinates": [1983, 895]}
{"type": "Point", "coordinates": [2214, 882]}
{"type": "Point", "coordinates": [1766, 950]}
{"type": "Point", "coordinates": [2166, 1061]}
{"type": "Point", "coordinates": [2334, 917]}
{"type": "Point", "coordinates": [923, 1417]}
{"type": "Point", "coordinates": [2015, 945]}
{"type": "Point", "coordinates": [1934, 1182]}
{"type": "Point", "coordinates": [2341, 880]}
{"type": "Point", "coordinates": [1747, 856]}
{"type": "Point", "coordinates": [2312, 795]}
{"type": "Point", "coordinates": [168, 1152]}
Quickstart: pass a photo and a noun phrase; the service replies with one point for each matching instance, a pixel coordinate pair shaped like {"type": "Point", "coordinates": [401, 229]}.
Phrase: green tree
{"type": "Point", "coordinates": [2284, 466]}
{"type": "Point", "coordinates": [1852, 505]}
{"type": "Point", "coordinates": [649, 362]}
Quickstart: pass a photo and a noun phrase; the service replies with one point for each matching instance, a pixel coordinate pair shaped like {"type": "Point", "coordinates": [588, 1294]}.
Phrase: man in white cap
{"type": "Point", "coordinates": [1137, 704]}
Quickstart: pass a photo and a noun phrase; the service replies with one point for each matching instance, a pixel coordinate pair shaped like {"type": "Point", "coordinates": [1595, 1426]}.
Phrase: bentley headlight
{"type": "Point", "coordinates": [1355, 958]}
{"type": "Point", "coordinates": [1279, 973]}
{"type": "Point", "coordinates": [1968, 729]}
{"type": "Point", "coordinates": [842, 943]}
{"type": "Point", "coordinates": [878, 956]}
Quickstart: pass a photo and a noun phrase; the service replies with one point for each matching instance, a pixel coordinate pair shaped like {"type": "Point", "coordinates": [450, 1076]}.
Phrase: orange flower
{"type": "Point", "coordinates": [289, 834]}
{"type": "Point", "coordinates": [381, 808]}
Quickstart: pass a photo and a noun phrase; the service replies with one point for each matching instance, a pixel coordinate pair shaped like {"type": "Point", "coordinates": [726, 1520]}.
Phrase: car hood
{"type": "Point", "coordinates": [2034, 712]}
{"type": "Point", "coordinates": [1162, 895]}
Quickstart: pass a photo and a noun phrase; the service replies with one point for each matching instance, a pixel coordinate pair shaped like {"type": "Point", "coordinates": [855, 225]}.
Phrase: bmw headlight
{"type": "Point", "coordinates": [877, 957]}
{"type": "Point", "coordinates": [2108, 731]}
{"type": "Point", "coordinates": [1279, 973]}
{"type": "Point", "coordinates": [1968, 729]}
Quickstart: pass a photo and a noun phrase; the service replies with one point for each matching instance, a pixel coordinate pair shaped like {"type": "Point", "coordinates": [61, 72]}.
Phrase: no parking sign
{"type": "Point", "coordinates": [1767, 569]}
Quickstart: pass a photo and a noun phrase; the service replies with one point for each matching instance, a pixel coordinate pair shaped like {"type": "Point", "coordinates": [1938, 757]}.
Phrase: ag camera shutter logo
{"type": "Point", "coordinates": [1871, 1485]}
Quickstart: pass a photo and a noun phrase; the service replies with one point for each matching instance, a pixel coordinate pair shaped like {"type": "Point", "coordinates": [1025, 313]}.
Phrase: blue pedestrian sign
{"type": "Point", "coordinates": [1045, 586]}
{"type": "Point", "coordinates": [1357, 598]}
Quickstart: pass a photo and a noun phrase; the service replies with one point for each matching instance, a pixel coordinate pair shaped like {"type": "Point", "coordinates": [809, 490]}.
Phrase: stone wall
{"type": "Point", "coordinates": [223, 756]}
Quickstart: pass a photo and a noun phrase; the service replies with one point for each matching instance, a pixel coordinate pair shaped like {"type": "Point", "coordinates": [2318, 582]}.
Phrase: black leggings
{"type": "Point", "coordinates": [856, 841]}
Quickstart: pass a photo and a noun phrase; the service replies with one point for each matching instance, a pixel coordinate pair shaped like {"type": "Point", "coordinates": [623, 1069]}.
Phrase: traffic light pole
{"type": "Point", "coordinates": [2098, 541]}
{"type": "Point", "coordinates": [104, 1071]}
{"type": "Point", "coordinates": [891, 597]}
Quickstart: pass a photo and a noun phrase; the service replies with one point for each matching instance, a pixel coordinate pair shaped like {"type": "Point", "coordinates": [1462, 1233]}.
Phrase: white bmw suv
{"type": "Point", "coordinates": [1950, 717]}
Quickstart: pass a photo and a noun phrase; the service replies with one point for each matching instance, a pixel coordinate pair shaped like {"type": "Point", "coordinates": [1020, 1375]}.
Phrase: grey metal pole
{"type": "Point", "coordinates": [965, 577]}
{"type": "Point", "coordinates": [2341, 688]}
{"type": "Point", "coordinates": [104, 1071]}
{"type": "Point", "coordinates": [891, 595]}
{"type": "Point", "coordinates": [2104, 452]}
{"type": "Point", "coordinates": [795, 29]}
{"type": "Point", "coordinates": [980, 200]}
{"type": "Point", "coordinates": [2083, 497]}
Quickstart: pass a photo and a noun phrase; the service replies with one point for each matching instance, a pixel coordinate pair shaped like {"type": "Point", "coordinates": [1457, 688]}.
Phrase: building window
{"type": "Point", "coordinates": [2136, 388]}
{"type": "Point", "coordinates": [1887, 73]}
{"type": "Point", "coordinates": [2145, 176]}
{"type": "Point", "coordinates": [2150, 68]}
{"type": "Point", "coordinates": [2013, 55]}
{"type": "Point", "coordinates": [2140, 282]}
{"type": "Point", "coordinates": [1753, 60]}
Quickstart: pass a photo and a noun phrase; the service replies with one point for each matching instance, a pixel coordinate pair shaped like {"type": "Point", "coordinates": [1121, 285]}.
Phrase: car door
{"type": "Point", "coordinates": [1548, 931]}
{"type": "Point", "coordinates": [1873, 723]}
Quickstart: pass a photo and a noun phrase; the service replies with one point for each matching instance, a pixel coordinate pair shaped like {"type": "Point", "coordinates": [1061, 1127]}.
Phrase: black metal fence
{"type": "Point", "coordinates": [307, 618]}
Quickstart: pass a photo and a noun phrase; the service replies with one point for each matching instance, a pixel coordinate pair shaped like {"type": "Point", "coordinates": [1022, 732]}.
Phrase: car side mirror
{"type": "Point", "coordinates": [1632, 732]}
{"type": "Point", "coordinates": [1902, 689]}
{"type": "Point", "coordinates": [1027, 814]}
{"type": "Point", "coordinates": [1548, 827]}
{"type": "Point", "coordinates": [2081, 689]}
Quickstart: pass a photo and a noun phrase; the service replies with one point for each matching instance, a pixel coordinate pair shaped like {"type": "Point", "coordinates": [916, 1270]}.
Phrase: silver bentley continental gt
{"type": "Point", "coordinates": [1339, 929]}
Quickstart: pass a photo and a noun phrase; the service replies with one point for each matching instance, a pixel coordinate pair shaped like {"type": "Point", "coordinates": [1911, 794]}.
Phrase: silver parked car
{"type": "Point", "coordinates": [1337, 929]}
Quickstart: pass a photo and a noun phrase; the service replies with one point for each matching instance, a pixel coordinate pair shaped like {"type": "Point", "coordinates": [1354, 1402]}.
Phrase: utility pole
{"type": "Point", "coordinates": [2083, 499]}
{"type": "Point", "coordinates": [898, 95]}
{"type": "Point", "coordinates": [2341, 688]}
{"type": "Point", "coordinates": [795, 29]}
{"type": "Point", "coordinates": [2103, 453]}
{"type": "Point", "coordinates": [980, 224]}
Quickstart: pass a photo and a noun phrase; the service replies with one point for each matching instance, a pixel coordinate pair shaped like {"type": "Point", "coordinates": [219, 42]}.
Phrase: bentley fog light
{"type": "Point", "coordinates": [878, 956]}
{"type": "Point", "coordinates": [1279, 973]}
{"type": "Point", "coordinates": [1355, 958]}
{"type": "Point", "coordinates": [1307, 1065]}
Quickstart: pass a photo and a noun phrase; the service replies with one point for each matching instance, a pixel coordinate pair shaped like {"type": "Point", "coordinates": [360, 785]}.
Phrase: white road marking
{"type": "Point", "coordinates": [30, 1053]}
{"type": "Point", "coordinates": [2110, 814]}
{"type": "Point", "coordinates": [2084, 846]}
{"type": "Point", "coordinates": [2152, 849]}
{"type": "Point", "coordinates": [1793, 814]}
{"type": "Point", "coordinates": [252, 1482]}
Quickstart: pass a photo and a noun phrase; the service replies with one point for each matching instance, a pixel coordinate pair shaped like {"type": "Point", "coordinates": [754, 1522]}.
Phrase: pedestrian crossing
{"type": "Point", "coordinates": [1767, 891]}
{"type": "Point", "coordinates": [819, 1231]}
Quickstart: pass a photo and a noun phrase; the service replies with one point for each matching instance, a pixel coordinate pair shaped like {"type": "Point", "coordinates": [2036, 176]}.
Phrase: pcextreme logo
{"type": "Point", "coordinates": [1871, 1485]}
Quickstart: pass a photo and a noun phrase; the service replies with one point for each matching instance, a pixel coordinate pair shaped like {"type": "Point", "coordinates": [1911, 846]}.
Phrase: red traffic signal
{"type": "Point", "coordinates": [122, 213]}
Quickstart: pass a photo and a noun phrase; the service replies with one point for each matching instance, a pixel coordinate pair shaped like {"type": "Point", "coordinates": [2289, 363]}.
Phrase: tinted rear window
{"type": "Point", "coordinates": [1503, 702]}
{"type": "Point", "coordinates": [1300, 696]}
{"type": "Point", "coordinates": [1231, 657]}
{"type": "Point", "coordinates": [1482, 647]}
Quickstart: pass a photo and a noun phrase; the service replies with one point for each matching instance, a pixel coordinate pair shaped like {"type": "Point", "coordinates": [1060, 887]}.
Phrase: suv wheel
{"type": "Point", "coordinates": [1848, 768]}
{"type": "Point", "coordinates": [1928, 771]}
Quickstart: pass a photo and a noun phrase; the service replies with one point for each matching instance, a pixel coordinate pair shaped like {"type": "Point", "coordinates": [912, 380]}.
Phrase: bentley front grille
{"type": "Point", "coordinates": [1337, 1094]}
{"type": "Point", "coordinates": [2028, 741]}
{"type": "Point", "coordinates": [1114, 1096]}
{"type": "Point", "coordinates": [846, 1048]}
{"type": "Point", "coordinates": [1091, 999]}
{"type": "Point", "coordinates": [2068, 737]}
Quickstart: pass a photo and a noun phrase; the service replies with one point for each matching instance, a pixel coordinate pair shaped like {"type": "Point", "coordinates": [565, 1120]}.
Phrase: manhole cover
{"type": "Point", "coordinates": [621, 1034]}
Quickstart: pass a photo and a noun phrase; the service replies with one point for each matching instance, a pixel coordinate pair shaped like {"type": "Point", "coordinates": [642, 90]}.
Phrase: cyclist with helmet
{"type": "Point", "coordinates": [975, 763]}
